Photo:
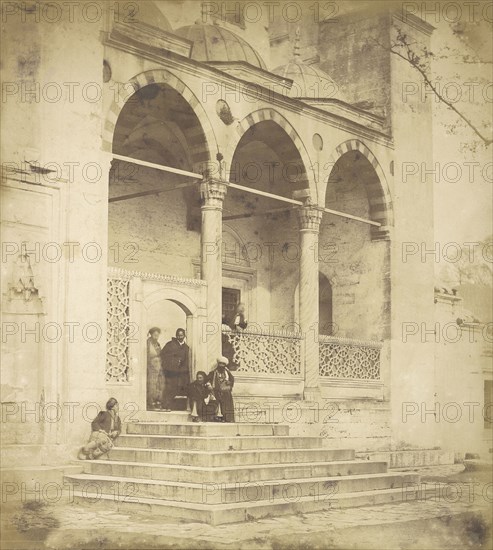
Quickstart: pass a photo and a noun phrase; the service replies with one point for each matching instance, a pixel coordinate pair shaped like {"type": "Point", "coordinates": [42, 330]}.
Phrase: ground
{"type": "Point", "coordinates": [449, 519]}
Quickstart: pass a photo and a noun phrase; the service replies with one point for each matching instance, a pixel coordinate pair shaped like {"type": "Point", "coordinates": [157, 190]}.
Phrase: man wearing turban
{"type": "Point", "coordinates": [222, 382]}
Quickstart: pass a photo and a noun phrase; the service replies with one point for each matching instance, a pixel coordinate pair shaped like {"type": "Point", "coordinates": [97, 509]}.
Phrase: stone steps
{"type": "Point", "coordinates": [218, 443]}
{"type": "Point", "coordinates": [222, 473]}
{"type": "Point", "coordinates": [245, 473]}
{"type": "Point", "coordinates": [219, 514]}
{"type": "Point", "coordinates": [233, 493]}
{"type": "Point", "coordinates": [206, 429]}
{"type": "Point", "coordinates": [230, 458]}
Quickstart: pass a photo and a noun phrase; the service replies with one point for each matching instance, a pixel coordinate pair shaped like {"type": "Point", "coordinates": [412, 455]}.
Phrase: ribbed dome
{"type": "Point", "coordinates": [308, 82]}
{"type": "Point", "coordinates": [214, 43]}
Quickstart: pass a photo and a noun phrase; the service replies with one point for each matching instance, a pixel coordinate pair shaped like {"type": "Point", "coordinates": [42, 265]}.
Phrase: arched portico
{"type": "Point", "coordinates": [301, 153]}
{"type": "Point", "coordinates": [205, 145]}
{"type": "Point", "coordinates": [378, 192]}
{"type": "Point", "coordinates": [360, 253]}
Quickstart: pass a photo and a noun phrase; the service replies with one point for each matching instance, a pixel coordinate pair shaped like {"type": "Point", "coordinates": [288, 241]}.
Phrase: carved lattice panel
{"type": "Point", "coordinates": [117, 331]}
{"type": "Point", "coordinates": [266, 354]}
{"type": "Point", "coordinates": [353, 361]}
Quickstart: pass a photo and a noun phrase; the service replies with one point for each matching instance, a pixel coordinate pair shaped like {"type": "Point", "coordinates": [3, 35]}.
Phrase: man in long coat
{"type": "Point", "coordinates": [174, 359]}
{"type": "Point", "coordinates": [222, 382]}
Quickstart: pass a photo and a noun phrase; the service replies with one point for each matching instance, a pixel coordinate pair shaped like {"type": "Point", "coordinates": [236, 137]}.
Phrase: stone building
{"type": "Point", "coordinates": [163, 164]}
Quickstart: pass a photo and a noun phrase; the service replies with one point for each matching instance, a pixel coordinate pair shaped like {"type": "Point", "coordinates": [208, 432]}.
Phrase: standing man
{"type": "Point", "coordinates": [154, 371]}
{"type": "Point", "coordinates": [239, 322]}
{"type": "Point", "coordinates": [174, 359]}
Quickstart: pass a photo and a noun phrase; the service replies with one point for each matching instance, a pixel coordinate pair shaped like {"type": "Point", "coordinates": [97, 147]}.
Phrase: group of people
{"type": "Point", "coordinates": [210, 400]}
{"type": "Point", "coordinates": [168, 377]}
{"type": "Point", "coordinates": [210, 395]}
{"type": "Point", "coordinates": [168, 374]}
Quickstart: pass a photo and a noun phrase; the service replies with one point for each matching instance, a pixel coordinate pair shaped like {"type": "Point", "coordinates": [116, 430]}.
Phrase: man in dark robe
{"type": "Point", "coordinates": [222, 382]}
{"type": "Point", "coordinates": [174, 359]}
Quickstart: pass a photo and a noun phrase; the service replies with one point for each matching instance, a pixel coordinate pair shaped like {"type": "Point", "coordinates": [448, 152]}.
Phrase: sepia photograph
{"type": "Point", "coordinates": [246, 275]}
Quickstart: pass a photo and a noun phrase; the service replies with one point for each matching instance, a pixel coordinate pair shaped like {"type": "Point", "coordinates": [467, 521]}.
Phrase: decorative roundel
{"type": "Point", "coordinates": [224, 112]}
{"type": "Point", "coordinates": [318, 142]}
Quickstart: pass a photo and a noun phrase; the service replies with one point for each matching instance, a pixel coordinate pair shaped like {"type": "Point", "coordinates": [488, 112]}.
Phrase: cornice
{"type": "Point", "coordinates": [120, 273]}
{"type": "Point", "coordinates": [413, 21]}
{"type": "Point", "coordinates": [152, 37]}
{"type": "Point", "coordinates": [171, 61]}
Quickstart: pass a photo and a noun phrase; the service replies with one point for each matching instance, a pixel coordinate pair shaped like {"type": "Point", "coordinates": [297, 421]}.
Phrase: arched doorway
{"type": "Point", "coordinates": [168, 316]}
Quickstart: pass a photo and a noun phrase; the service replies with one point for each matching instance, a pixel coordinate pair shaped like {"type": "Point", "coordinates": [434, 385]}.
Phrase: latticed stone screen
{"type": "Point", "coordinates": [266, 353]}
{"type": "Point", "coordinates": [117, 331]}
{"type": "Point", "coordinates": [340, 359]}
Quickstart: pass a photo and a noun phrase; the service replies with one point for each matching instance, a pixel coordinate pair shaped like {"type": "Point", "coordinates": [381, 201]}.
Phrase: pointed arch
{"type": "Point", "coordinates": [203, 149]}
{"type": "Point", "coordinates": [379, 198]}
{"type": "Point", "coordinates": [267, 114]}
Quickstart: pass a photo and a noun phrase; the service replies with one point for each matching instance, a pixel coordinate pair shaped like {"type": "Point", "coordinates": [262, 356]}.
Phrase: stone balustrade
{"type": "Point", "coordinates": [266, 353]}
{"type": "Point", "coordinates": [345, 358]}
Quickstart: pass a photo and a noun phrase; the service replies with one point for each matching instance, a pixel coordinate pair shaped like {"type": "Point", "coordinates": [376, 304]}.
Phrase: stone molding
{"type": "Point", "coordinates": [120, 273]}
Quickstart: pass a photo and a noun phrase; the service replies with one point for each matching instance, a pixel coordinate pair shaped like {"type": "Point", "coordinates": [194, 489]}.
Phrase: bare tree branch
{"type": "Point", "coordinates": [416, 61]}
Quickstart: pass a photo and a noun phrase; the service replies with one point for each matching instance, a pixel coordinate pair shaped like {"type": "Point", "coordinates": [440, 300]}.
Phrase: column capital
{"type": "Point", "coordinates": [213, 192]}
{"type": "Point", "coordinates": [309, 218]}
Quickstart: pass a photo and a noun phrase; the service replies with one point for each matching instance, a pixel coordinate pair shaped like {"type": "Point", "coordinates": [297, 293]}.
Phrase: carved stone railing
{"type": "Point", "coordinates": [117, 330]}
{"type": "Point", "coordinates": [261, 353]}
{"type": "Point", "coordinates": [344, 358]}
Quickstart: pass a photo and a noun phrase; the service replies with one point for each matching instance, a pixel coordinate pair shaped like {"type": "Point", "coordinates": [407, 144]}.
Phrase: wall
{"type": "Point", "coordinates": [457, 411]}
{"type": "Point", "coordinates": [150, 233]}
{"type": "Point", "coordinates": [56, 127]}
{"type": "Point", "coordinates": [352, 51]}
{"type": "Point", "coordinates": [412, 274]}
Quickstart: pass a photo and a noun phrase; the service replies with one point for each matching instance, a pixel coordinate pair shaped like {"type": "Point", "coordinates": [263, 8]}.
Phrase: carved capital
{"type": "Point", "coordinates": [309, 218]}
{"type": "Point", "coordinates": [212, 193]}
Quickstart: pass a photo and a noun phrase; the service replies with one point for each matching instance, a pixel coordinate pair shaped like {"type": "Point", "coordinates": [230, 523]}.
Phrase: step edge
{"type": "Point", "coordinates": [235, 468]}
{"type": "Point", "coordinates": [191, 484]}
{"type": "Point", "coordinates": [239, 505]}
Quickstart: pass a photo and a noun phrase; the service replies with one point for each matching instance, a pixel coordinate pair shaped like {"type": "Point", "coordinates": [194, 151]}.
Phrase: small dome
{"type": "Point", "coordinates": [214, 43]}
{"type": "Point", "coordinates": [308, 82]}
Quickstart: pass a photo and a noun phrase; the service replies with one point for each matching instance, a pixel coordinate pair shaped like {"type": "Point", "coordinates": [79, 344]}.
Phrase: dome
{"type": "Point", "coordinates": [308, 81]}
{"type": "Point", "coordinates": [214, 43]}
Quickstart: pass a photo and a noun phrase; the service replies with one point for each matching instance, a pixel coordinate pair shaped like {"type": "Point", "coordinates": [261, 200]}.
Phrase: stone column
{"type": "Point", "coordinates": [309, 220]}
{"type": "Point", "coordinates": [212, 192]}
